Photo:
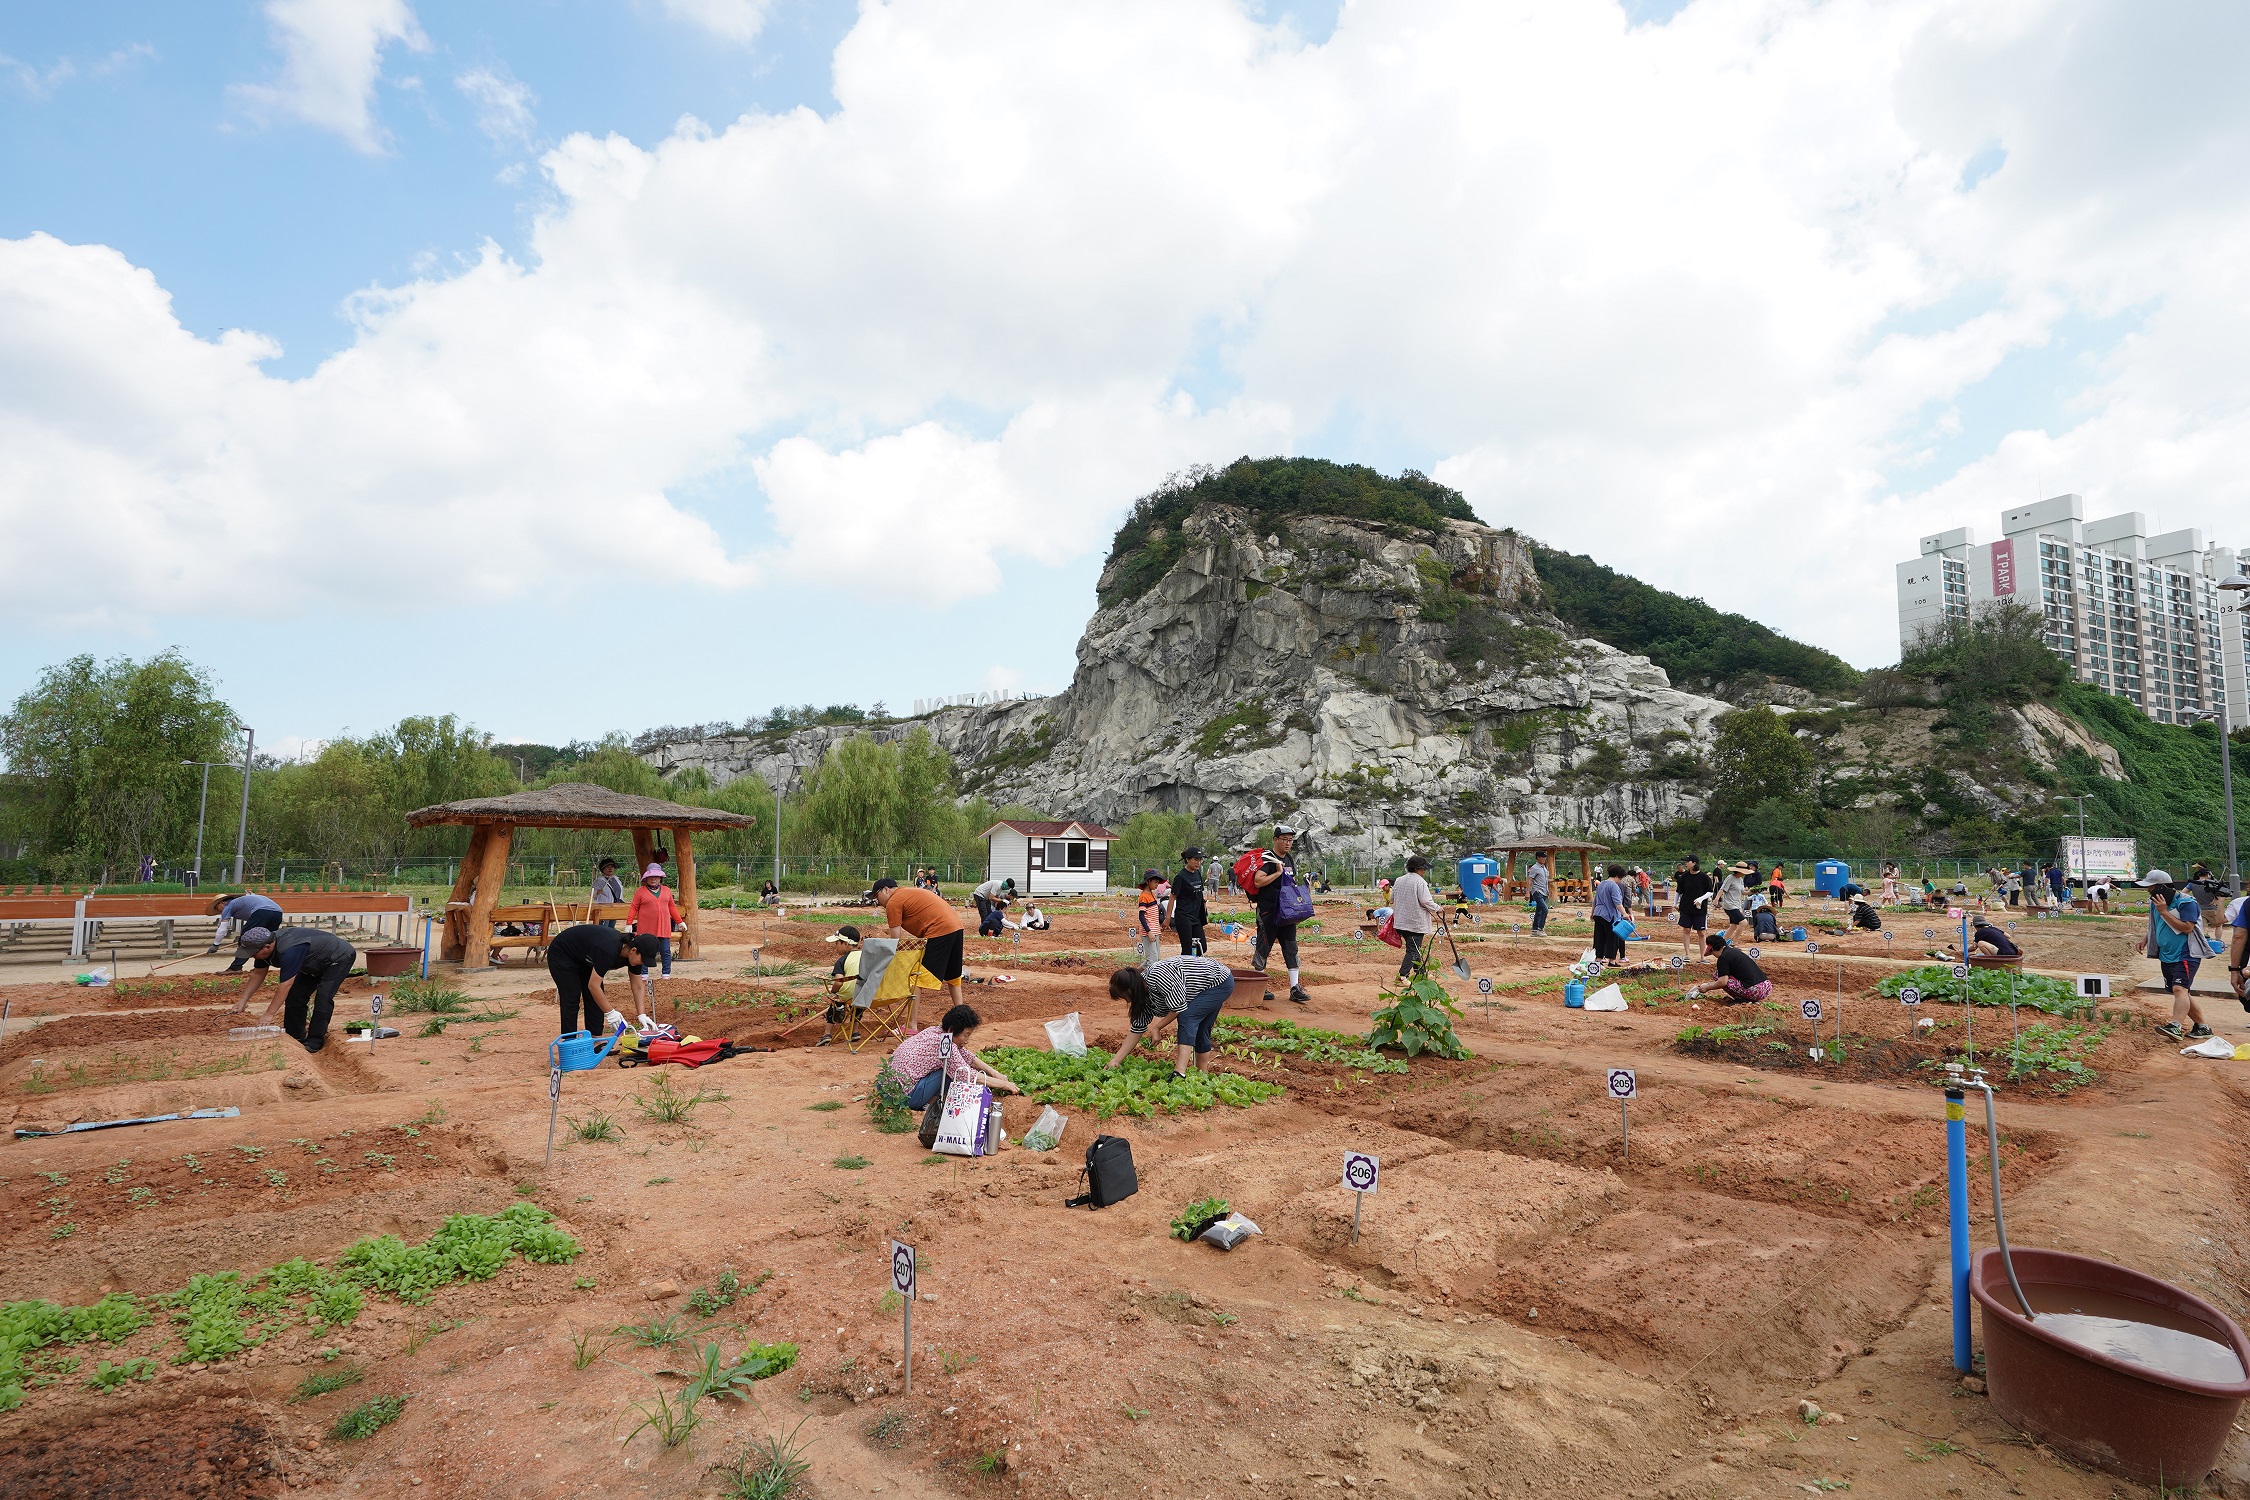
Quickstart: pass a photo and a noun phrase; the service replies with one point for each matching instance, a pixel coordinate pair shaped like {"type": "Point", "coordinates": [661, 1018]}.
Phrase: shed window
{"type": "Point", "coordinates": [1066, 854]}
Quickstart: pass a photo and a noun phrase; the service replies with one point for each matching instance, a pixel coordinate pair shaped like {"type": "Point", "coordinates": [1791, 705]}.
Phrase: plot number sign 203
{"type": "Point", "coordinates": [1622, 1084]}
{"type": "Point", "coordinates": [1361, 1172]}
{"type": "Point", "coordinates": [902, 1270]}
{"type": "Point", "coordinates": [1811, 1008]}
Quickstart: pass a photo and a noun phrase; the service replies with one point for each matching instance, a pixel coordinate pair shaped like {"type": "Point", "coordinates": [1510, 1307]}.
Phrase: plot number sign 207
{"type": "Point", "coordinates": [1622, 1084]}
{"type": "Point", "coordinates": [902, 1270]}
{"type": "Point", "coordinates": [1361, 1172]}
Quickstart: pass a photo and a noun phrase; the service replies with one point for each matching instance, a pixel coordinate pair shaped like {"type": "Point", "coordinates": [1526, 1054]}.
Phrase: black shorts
{"type": "Point", "coordinates": [1692, 918]}
{"type": "Point", "coordinates": [942, 956]}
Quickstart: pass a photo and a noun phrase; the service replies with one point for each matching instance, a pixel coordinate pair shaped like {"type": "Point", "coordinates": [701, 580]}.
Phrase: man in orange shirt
{"type": "Point", "coordinates": [655, 913]}
{"type": "Point", "coordinates": [926, 915]}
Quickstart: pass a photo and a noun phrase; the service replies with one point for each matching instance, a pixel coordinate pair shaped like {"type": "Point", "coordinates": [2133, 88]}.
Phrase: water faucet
{"type": "Point", "coordinates": [1976, 1080]}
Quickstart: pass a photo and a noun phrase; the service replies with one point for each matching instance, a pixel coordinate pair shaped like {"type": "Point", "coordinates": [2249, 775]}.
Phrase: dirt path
{"type": "Point", "coordinates": [1528, 1310]}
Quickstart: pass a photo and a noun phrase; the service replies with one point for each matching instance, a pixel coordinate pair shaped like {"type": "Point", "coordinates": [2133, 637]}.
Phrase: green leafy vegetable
{"type": "Point", "coordinates": [1137, 1086]}
{"type": "Point", "coordinates": [1202, 1211]}
{"type": "Point", "coordinates": [1418, 1020]}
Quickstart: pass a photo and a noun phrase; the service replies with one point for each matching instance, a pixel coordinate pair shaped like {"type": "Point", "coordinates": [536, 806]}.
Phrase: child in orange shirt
{"type": "Point", "coordinates": [1150, 918]}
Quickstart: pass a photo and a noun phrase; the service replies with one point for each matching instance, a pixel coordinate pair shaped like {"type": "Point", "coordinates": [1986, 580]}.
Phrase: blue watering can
{"type": "Point", "coordinates": [575, 1052]}
{"type": "Point", "coordinates": [1574, 995]}
{"type": "Point", "coordinates": [1796, 934]}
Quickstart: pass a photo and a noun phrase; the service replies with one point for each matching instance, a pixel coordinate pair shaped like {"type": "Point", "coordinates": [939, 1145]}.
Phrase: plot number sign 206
{"type": "Point", "coordinates": [1622, 1084]}
{"type": "Point", "coordinates": [902, 1270]}
{"type": "Point", "coordinates": [1361, 1172]}
{"type": "Point", "coordinates": [1811, 1008]}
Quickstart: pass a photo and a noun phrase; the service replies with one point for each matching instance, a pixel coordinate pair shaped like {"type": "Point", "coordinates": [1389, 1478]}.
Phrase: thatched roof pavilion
{"type": "Point", "coordinates": [1580, 889]}
{"type": "Point", "coordinates": [569, 804]}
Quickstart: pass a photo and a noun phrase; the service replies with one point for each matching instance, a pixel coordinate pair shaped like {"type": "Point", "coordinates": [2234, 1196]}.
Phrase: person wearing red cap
{"type": "Point", "coordinates": [656, 913]}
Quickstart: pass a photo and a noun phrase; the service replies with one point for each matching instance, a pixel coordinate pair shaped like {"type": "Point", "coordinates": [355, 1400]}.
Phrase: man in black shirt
{"type": "Point", "coordinates": [1273, 871]}
{"type": "Point", "coordinates": [1690, 886]}
{"type": "Point", "coordinates": [315, 962]}
{"type": "Point", "coordinates": [1189, 909]}
{"type": "Point", "coordinates": [579, 957]}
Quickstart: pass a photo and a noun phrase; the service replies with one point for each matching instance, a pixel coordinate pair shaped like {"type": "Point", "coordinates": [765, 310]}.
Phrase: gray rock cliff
{"type": "Point", "coordinates": [1388, 688]}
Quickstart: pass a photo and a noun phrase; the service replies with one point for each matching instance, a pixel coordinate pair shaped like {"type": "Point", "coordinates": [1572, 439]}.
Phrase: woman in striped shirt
{"type": "Point", "coordinates": [1188, 991]}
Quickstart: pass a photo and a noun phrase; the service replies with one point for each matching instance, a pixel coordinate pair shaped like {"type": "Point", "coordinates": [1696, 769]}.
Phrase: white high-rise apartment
{"type": "Point", "coordinates": [2132, 614]}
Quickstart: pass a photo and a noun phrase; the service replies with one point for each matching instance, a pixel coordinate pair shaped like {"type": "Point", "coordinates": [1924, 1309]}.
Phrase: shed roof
{"type": "Point", "coordinates": [576, 804]}
{"type": "Point", "coordinates": [1040, 830]}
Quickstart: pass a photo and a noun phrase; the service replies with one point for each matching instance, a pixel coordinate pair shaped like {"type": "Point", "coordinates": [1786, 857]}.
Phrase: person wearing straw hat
{"type": "Point", "coordinates": [656, 913]}
{"type": "Point", "coordinates": [315, 962]}
{"type": "Point", "coordinates": [1731, 899]}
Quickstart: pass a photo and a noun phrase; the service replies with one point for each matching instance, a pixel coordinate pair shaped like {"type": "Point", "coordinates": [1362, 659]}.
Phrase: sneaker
{"type": "Point", "coordinates": [2198, 1033]}
{"type": "Point", "coordinates": [1297, 994]}
{"type": "Point", "coordinates": [2174, 1032]}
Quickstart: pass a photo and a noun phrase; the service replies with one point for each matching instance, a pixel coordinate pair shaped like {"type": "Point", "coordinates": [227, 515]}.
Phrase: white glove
{"type": "Point", "coordinates": [612, 1021]}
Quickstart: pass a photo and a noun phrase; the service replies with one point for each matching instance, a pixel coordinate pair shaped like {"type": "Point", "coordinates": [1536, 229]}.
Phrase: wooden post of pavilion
{"type": "Point", "coordinates": [494, 820]}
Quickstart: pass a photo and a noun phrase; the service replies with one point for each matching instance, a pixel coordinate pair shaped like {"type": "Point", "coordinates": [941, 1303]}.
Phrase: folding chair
{"type": "Point", "coordinates": [890, 993]}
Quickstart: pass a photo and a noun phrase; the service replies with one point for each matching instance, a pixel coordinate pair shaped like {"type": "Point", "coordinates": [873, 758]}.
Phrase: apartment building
{"type": "Point", "coordinates": [2137, 615]}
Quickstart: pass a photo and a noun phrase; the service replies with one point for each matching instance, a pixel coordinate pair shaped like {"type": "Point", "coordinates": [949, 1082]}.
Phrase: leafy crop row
{"type": "Point", "coordinates": [223, 1313]}
{"type": "Point", "coordinates": [1256, 1039]}
{"type": "Point", "coordinates": [1986, 987]}
{"type": "Point", "coordinates": [1136, 1086]}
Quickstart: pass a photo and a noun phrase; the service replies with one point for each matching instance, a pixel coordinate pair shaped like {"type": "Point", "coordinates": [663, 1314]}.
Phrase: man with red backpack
{"type": "Point", "coordinates": [1283, 902]}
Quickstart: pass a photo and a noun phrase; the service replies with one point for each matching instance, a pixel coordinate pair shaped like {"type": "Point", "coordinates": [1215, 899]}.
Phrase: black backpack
{"type": "Point", "coordinates": [1109, 1176]}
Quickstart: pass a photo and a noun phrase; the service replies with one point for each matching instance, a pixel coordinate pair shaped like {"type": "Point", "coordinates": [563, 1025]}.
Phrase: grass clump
{"type": "Point", "coordinates": [724, 1292]}
{"type": "Point", "coordinates": [852, 1163]}
{"type": "Point", "coordinates": [825, 1105]}
{"type": "Point", "coordinates": [323, 1382]}
{"type": "Point", "coordinates": [666, 1105]}
{"type": "Point", "coordinates": [426, 997]}
{"type": "Point", "coordinates": [594, 1128]}
{"type": "Point", "coordinates": [368, 1418]}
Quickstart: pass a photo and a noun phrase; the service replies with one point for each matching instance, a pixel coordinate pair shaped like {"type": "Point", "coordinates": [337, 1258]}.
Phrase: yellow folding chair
{"type": "Point", "coordinates": [895, 998]}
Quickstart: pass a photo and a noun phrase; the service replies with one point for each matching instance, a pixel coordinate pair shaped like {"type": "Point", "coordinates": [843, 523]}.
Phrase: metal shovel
{"type": "Point", "coordinates": [1460, 964]}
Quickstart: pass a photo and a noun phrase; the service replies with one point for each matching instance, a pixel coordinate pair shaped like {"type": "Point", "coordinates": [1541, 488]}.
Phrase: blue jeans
{"type": "Point", "coordinates": [665, 944]}
{"type": "Point", "coordinates": [926, 1088]}
{"type": "Point", "coordinates": [1539, 914]}
{"type": "Point", "coordinates": [1202, 1014]}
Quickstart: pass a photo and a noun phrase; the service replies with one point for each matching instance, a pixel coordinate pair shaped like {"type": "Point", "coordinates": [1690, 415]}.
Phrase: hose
{"type": "Point", "coordinates": [1999, 1220]}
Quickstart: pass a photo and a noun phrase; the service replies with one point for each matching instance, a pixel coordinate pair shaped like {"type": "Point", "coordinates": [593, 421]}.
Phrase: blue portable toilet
{"type": "Point", "coordinates": [1829, 875]}
{"type": "Point", "coordinates": [1473, 872]}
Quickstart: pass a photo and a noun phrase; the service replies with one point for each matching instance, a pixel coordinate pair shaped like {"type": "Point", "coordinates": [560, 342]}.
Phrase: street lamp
{"type": "Point", "coordinates": [2081, 798]}
{"type": "Point", "coordinates": [201, 807]}
{"type": "Point", "coordinates": [242, 828]}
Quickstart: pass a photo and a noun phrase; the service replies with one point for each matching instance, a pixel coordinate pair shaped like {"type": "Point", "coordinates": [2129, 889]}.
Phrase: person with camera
{"type": "Point", "coordinates": [2175, 940]}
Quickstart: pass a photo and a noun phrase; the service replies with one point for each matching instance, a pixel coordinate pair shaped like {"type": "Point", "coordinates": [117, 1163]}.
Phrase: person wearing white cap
{"type": "Point", "coordinates": [2175, 940]}
{"type": "Point", "coordinates": [656, 913]}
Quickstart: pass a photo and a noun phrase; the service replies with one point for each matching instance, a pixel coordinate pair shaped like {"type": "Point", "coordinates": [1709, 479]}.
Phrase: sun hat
{"type": "Point", "coordinates": [653, 871]}
{"type": "Point", "coordinates": [1149, 875]}
{"type": "Point", "coordinates": [844, 934]}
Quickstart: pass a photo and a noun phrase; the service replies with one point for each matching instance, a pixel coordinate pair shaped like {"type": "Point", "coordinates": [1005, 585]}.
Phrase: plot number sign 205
{"type": "Point", "coordinates": [1622, 1084]}
{"type": "Point", "coordinates": [1361, 1172]}
{"type": "Point", "coordinates": [902, 1270]}
{"type": "Point", "coordinates": [1811, 1008]}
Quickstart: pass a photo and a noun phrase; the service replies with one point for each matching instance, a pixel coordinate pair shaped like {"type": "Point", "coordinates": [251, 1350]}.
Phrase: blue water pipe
{"type": "Point", "coordinates": [425, 947]}
{"type": "Point", "coordinates": [1957, 1212]}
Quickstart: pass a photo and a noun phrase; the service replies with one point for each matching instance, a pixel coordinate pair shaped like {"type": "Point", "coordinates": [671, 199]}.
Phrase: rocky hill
{"type": "Point", "coordinates": [1388, 682]}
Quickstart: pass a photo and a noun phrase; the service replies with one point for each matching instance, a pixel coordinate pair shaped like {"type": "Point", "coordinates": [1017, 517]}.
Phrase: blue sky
{"type": "Point", "coordinates": [862, 396]}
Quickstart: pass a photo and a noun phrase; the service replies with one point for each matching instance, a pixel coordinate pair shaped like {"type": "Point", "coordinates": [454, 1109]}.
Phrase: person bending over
{"type": "Point", "coordinates": [316, 963]}
{"type": "Point", "coordinates": [578, 958]}
{"type": "Point", "coordinates": [243, 912]}
{"type": "Point", "coordinates": [1739, 974]}
{"type": "Point", "coordinates": [930, 1063]}
{"type": "Point", "coordinates": [1187, 991]}
{"type": "Point", "coordinates": [924, 914]}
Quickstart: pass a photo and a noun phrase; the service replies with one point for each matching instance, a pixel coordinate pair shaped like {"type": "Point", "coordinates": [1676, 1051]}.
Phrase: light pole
{"type": "Point", "coordinates": [201, 807]}
{"type": "Point", "coordinates": [2234, 586]}
{"type": "Point", "coordinates": [777, 838]}
{"type": "Point", "coordinates": [242, 828]}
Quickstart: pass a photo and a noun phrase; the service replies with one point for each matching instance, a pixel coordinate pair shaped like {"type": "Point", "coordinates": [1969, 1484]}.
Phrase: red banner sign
{"type": "Point", "coordinates": [2003, 568]}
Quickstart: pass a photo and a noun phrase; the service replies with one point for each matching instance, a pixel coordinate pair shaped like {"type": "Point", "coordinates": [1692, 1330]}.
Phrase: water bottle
{"type": "Point", "coordinates": [1574, 995]}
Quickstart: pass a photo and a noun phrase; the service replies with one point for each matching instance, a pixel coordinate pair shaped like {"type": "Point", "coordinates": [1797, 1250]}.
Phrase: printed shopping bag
{"type": "Point", "coordinates": [961, 1128]}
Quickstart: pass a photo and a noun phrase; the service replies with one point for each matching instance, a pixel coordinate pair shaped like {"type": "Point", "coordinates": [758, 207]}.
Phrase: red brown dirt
{"type": "Point", "coordinates": [1528, 1310]}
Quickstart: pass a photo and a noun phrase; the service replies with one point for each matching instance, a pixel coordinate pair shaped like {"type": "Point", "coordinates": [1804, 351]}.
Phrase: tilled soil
{"type": "Point", "coordinates": [1538, 1301]}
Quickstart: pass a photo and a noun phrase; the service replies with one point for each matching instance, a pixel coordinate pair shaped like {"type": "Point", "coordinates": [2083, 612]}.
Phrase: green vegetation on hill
{"type": "Point", "coordinates": [1269, 487]}
{"type": "Point", "coordinates": [1696, 644]}
{"type": "Point", "coordinates": [2174, 802]}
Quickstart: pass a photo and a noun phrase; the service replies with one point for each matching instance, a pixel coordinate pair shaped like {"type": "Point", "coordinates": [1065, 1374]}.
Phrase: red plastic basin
{"type": "Point", "coordinates": [2115, 1414]}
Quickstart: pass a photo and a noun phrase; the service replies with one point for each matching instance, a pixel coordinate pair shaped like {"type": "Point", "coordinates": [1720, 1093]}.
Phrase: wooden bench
{"type": "Point", "coordinates": [551, 916]}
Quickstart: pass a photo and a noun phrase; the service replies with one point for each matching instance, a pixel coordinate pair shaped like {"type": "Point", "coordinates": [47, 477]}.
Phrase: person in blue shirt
{"type": "Point", "coordinates": [2238, 946]}
{"type": "Point", "coordinates": [1609, 910]}
{"type": "Point", "coordinates": [245, 912]}
{"type": "Point", "coordinates": [2175, 941]}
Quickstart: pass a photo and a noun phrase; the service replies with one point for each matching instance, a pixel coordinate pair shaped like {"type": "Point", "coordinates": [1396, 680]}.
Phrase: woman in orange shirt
{"type": "Point", "coordinates": [655, 913]}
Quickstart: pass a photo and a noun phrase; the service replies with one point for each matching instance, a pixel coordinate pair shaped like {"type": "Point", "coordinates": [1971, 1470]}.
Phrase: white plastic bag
{"type": "Point", "coordinates": [1064, 1036]}
{"type": "Point", "coordinates": [1230, 1231]}
{"type": "Point", "coordinates": [2217, 1046]}
{"type": "Point", "coordinates": [1047, 1132]}
{"type": "Point", "coordinates": [1608, 997]}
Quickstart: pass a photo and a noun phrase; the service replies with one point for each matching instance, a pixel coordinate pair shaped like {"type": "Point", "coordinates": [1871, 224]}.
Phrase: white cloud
{"type": "Point", "coordinates": [331, 58]}
{"type": "Point", "coordinates": [1705, 299]}
{"type": "Point", "coordinates": [736, 21]}
{"type": "Point", "coordinates": [503, 105]}
{"type": "Point", "coordinates": [44, 83]}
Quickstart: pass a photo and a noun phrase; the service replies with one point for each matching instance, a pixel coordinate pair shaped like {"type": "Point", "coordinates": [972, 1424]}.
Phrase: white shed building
{"type": "Point", "coordinates": [1050, 859]}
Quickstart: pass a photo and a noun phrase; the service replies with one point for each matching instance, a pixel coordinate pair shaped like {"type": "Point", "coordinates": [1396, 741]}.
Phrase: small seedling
{"type": "Point", "coordinates": [379, 1159]}
{"type": "Point", "coordinates": [109, 1377]}
{"type": "Point", "coordinates": [851, 1163]}
{"type": "Point", "coordinates": [770, 1469]}
{"type": "Point", "coordinates": [994, 1461]}
{"type": "Point", "coordinates": [668, 1106]}
{"type": "Point", "coordinates": [952, 1363]}
{"type": "Point", "coordinates": [368, 1419]}
{"type": "Point", "coordinates": [656, 1182]}
{"type": "Point", "coordinates": [658, 1333]}
{"type": "Point", "coordinates": [62, 1231]}
{"type": "Point", "coordinates": [586, 1347]}
{"type": "Point", "coordinates": [673, 1419]}
{"type": "Point", "coordinates": [328, 1380]}
{"type": "Point", "coordinates": [889, 1429]}
{"type": "Point", "coordinates": [826, 1105]}
{"type": "Point", "coordinates": [583, 1284]}
{"type": "Point", "coordinates": [1134, 1413]}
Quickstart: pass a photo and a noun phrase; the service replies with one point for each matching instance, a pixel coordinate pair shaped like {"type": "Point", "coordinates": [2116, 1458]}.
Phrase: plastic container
{"type": "Point", "coordinates": [2142, 1423]}
{"type": "Point", "coordinates": [1574, 995]}
{"type": "Point", "coordinates": [389, 962]}
{"type": "Point", "coordinates": [252, 1033]}
{"type": "Point", "coordinates": [1472, 873]}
